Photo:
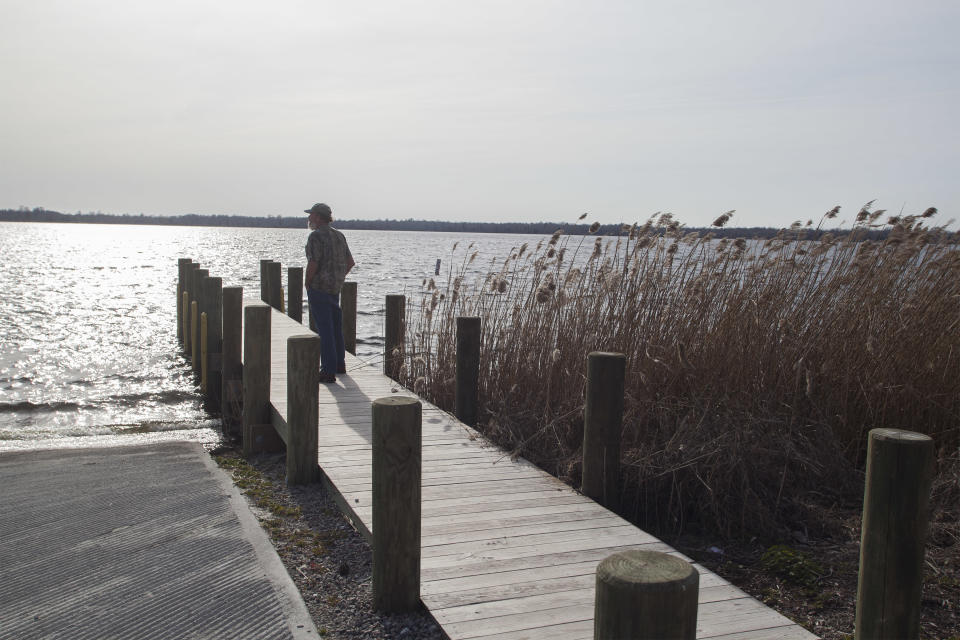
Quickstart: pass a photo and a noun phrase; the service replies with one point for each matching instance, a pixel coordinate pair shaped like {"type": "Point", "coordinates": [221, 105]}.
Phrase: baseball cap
{"type": "Point", "coordinates": [322, 209]}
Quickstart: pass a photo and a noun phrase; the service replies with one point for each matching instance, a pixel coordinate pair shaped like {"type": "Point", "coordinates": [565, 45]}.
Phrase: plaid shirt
{"type": "Point", "coordinates": [329, 249]}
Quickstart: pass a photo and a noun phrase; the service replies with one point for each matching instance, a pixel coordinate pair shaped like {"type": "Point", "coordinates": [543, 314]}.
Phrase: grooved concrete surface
{"type": "Point", "coordinates": [136, 542]}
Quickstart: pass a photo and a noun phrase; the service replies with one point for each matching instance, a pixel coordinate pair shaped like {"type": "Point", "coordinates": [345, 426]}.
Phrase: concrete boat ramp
{"type": "Point", "coordinates": [136, 542]}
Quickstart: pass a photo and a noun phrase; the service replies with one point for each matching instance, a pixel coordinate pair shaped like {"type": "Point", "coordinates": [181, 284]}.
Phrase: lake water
{"type": "Point", "coordinates": [88, 348]}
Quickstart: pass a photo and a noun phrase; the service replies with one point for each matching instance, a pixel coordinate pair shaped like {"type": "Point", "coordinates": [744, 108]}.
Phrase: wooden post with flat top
{"type": "Point", "coordinates": [645, 595]}
{"type": "Point", "coordinates": [185, 309]}
{"type": "Point", "coordinates": [204, 353]}
{"type": "Point", "coordinates": [264, 281]}
{"type": "Point", "coordinates": [295, 293]}
{"type": "Point", "coordinates": [275, 285]}
{"type": "Point", "coordinates": [188, 292]}
{"type": "Point", "coordinates": [195, 334]}
{"type": "Point", "coordinates": [196, 295]}
{"type": "Point", "coordinates": [896, 509]}
{"type": "Point", "coordinates": [468, 370]}
{"type": "Point", "coordinates": [196, 280]}
{"type": "Point", "coordinates": [397, 425]}
{"type": "Point", "coordinates": [348, 305]}
{"type": "Point", "coordinates": [303, 381]}
{"type": "Point", "coordinates": [213, 308]}
{"type": "Point", "coordinates": [602, 425]}
{"type": "Point", "coordinates": [393, 343]}
{"type": "Point", "coordinates": [232, 374]}
{"type": "Point", "coordinates": [181, 287]}
{"type": "Point", "coordinates": [258, 432]}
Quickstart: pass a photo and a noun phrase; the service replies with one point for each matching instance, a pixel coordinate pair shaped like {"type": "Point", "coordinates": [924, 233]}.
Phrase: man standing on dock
{"type": "Point", "coordinates": [328, 262]}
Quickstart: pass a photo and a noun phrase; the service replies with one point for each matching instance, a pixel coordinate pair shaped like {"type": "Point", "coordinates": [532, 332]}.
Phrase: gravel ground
{"type": "Point", "coordinates": [330, 563]}
{"type": "Point", "coordinates": [327, 558]}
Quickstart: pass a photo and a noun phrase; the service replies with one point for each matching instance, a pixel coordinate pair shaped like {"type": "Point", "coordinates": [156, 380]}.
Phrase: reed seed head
{"type": "Point", "coordinates": [724, 218]}
{"type": "Point", "coordinates": [859, 314]}
{"type": "Point", "coordinates": [597, 249]}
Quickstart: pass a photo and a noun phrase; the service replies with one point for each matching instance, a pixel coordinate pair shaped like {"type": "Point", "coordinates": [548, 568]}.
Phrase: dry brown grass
{"type": "Point", "coordinates": [754, 368]}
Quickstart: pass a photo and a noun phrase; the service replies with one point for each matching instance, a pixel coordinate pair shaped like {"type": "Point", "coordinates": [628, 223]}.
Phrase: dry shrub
{"type": "Point", "coordinates": [754, 368]}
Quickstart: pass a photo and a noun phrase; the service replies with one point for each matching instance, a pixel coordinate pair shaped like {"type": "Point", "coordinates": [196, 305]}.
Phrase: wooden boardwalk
{"type": "Point", "coordinates": [508, 551]}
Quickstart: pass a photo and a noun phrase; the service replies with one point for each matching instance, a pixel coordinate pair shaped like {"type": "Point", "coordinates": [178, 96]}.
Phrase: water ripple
{"type": "Point", "coordinates": [87, 334]}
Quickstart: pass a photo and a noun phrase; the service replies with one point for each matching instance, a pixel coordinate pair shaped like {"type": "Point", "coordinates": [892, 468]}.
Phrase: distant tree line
{"type": "Point", "coordinates": [38, 214]}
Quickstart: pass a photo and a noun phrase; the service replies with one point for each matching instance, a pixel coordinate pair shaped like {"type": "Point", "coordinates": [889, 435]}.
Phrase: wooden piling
{"type": "Point", "coordinates": [189, 292]}
{"type": "Point", "coordinates": [303, 381]}
{"type": "Point", "coordinates": [895, 516]}
{"type": "Point", "coordinates": [258, 432]}
{"type": "Point", "coordinates": [185, 330]}
{"type": "Point", "coordinates": [264, 281]}
{"type": "Point", "coordinates": [195, 334]}
{"type": "Point", "coordinates": [231, 381]}
{"type": "Point", "coordinates": [645, 595]}
{"type": "Point", "coordinates": [181, 287]}
{"type": "Point", "coordinates": [393, 344]}
{"type": "Point", "coordinates": [196, 280]}
{"type": "Point", "coordinates": [602, 418]}
{"type": "Point", "coordinates": [348, 304]}
{"type": "Point", "coordinates": [196, 293]}
{"type": "Point", "coordinates": [468, 369]}
{"type": "Point", "coordinates": [397, 424]}
{"type": "Point", "coordinates": [275, 285]}
{"type": "Point", "coordinates": [311, 320]}
{"type": "Point", "coordinates": [201, 276]}
{"type": "Point", "coordinates": [204, 352]}
{"type": "Point", "coordinates": [212, 306]}
{"type": "Point", "coordinates": [295, 293]}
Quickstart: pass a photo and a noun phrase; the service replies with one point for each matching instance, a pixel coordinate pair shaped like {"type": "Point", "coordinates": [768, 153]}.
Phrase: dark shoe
{"type": "Point", "coordinates": [327, 377]}
{"type": "Point", "coordinates": [341, 368]}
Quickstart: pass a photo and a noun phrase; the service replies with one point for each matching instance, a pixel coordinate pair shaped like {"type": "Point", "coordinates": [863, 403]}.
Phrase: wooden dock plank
{"type": "Point", "coordinates": [579, 630]}
{"type": "Point", "coordinates": [439, 547]}
{"type": "Point", "coordinates": [538, 585]}
{"type": "Point", "coordinates": [502, 579]}
{"type": "Point", "coordinates": [517, 525]}
{"type": "Point", "coordinates": [508, 551]}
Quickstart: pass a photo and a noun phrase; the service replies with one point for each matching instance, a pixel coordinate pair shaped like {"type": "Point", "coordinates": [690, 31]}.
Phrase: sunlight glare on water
{"type": "Point", "coordinates": [88, 344]}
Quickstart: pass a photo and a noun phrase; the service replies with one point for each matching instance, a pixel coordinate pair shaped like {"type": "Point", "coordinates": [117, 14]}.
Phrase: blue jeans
{"type": "Point", "coordinates": [328, 320]}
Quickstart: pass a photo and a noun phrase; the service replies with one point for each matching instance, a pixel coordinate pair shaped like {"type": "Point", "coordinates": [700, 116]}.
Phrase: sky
{"type": "Point", "coordinates": [492, 111]}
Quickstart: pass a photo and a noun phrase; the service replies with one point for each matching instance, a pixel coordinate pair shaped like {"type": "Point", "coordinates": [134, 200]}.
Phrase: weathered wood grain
{"type": "Point", "coordinates": [507, 551]}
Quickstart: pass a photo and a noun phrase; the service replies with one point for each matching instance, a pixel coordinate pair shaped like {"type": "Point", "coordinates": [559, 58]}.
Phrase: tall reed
{"type": "Point", "coordinates": [754, 368]}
